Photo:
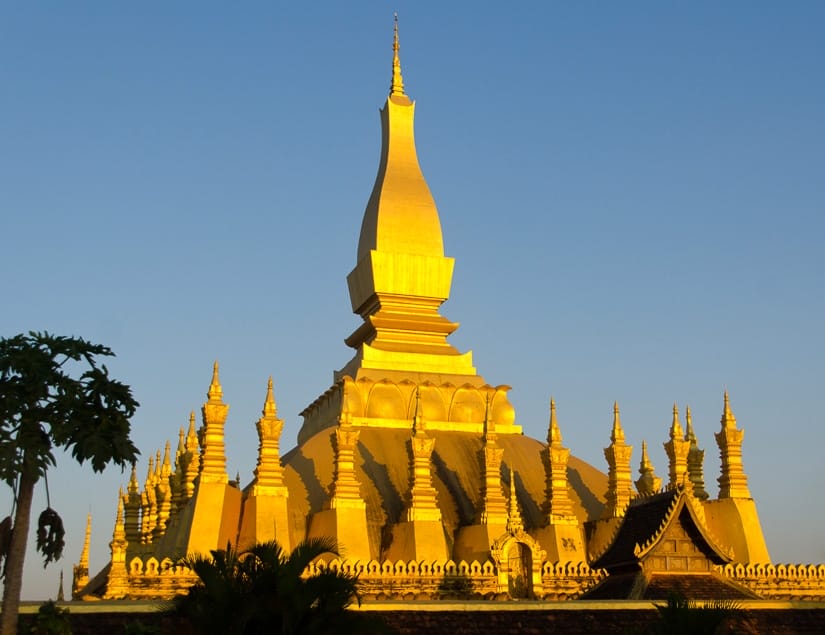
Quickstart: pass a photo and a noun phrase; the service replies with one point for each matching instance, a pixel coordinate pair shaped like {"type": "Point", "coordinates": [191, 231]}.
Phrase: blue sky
{"type": "Point", "coordinates": [633, 193]}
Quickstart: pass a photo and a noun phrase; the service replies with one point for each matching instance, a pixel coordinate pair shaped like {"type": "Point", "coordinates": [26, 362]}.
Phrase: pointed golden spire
{"type": "Point", "coordinates": [515, 524]}
{"type": "Point", "coordinates": [418, 420]}
{"type": "Point", "coordinates": [696, 459]}
{"type": "Point", "coordinates": [728, 420]}
{"type": "Point", "coordinates": [192, 435]}
{"type": "Point", "coordinates": [134, 486]}
{"type": "Point", "coordinates": [397, 85]}
{"type": "Point", "coordinates": [690, 435]}
{"type": "Point", "coordinates": [675, 426]}
{"type": "Point", "coordinates": [554, 458]}
{"type": "Point", "coordinates": [213, 448]}
{"type": "Point", "coordinates": [166, 468]}
{"type": "Point", "coordinates": [80, 572]}
{"type": "Point", "coordinates": [150, 472]}
{"type": "Point", "coordinates": [553, 431]}
{"type": "Point", "coordinates": [619, 475]}
{"type": "Point", "coordinates": [156, 476]}
{"type": "Point", "coordinates": [648, 483]}
{"type": "Point", "coordinates": [645, 464]}
{"type": "Point", "coordinates": [269, 477]}
{"type": "Point", "coordinates": [677, 449]}
{"type": "Point", "coordinates": [270, 409]}
{"type": "Point", "coordinates": [215, 393]}
{"type": "Point", "coordinates": [84, 554]}
{"type": "Point", "coordinates": [617, 434]}
{"type": "Point", "coordinates": [733, 483]}
{"type": "Point", "coordinates": [120, 529]}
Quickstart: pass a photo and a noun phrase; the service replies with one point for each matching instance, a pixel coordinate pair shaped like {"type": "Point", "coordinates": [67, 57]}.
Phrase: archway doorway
{"type": "Point", "coordinates": [520, 569]}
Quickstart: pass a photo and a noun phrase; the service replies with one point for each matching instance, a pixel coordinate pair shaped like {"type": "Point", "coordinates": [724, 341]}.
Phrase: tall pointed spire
{"type": "Point", "coordinates": [84, 554]}
{"type": "Point", "coordinates": [515, 524]}
{"type": "Point", "coordinates": [555, 456]}
{"type": "Point", "coordinates": [397, 85]}
{"type": "Point", "coordinates": [131, 505]}
{"type": "Point", "coordinates": [213, 457]}
{"type": "Point", "coordinates": [677, 452]}
{"type": "Point", "coordinates": [732, 481]}
{"type": "Point", "coordinates": [192, 460]}
{"type": "Point", "coordinates": [269, 477]}
{"type": "Point", "coordinates": [619, 476]}
{"type": "Point", "coordinates": [696, 459]}
{"type": "Point", "coordinates": [80, 572]}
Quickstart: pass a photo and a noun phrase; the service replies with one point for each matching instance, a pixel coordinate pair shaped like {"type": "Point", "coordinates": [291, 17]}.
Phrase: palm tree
{"type": "Point", "coordinates": [264, 590]}
{"type": "Point", "coordinates": [683, 616]}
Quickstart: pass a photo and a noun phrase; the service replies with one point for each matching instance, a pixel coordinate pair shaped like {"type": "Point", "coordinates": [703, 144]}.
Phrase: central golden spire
{"type": "Point", "coordinates": [402, 276]}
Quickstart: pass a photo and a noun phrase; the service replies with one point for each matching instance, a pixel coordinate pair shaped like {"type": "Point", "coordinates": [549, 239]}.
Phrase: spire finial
{"type": "Point", "coordinates": [270, 410]}
{"type": "Point", "coordinates": [84, 554]}
{"type": "Point", "coordinates": [397, 85]}
{"type": "Point", "coordinates": [728, 420]}
{"type": "Point", "coordinates": [515, 524]}
{"type": "Point", "coordinates": [645, 465]}
{"type": "Point", "coordinates": [690, 435]}
{"type": "Point", "coordinates": [554, 433]}
{"type": "Point", "coordinates": [617, 435]}
{"type": "Point", "coordinates": [215, 391]}
{"type": "Point", "coordinates": [675, 426]}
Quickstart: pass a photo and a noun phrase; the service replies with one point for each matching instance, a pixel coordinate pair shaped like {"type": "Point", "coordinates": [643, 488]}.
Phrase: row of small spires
{"type": "Point", "coordinates": [166, 490]}
{"type": "Point", "coordinates": [685, 460]}
{"type": "Point", "coordinates": [147, 513]}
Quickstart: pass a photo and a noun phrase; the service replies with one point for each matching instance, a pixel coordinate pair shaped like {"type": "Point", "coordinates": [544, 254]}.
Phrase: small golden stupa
{"type": "Point", "coordinates": [417, 467]}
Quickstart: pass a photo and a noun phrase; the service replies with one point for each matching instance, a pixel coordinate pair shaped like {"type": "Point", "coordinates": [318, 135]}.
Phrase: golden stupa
{"type": "Point", "coordinates": [416, 466]}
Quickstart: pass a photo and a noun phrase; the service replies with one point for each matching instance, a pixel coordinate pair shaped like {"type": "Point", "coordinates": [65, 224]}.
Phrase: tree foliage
{"type": "Point", "coordinates": [264, 590]}
{"type": "Point", "coordinates": [42, 406]}
{"type": "Point", "coordinates": [53, 394]}
{"type": "Point", "coordinates": [683, 616]}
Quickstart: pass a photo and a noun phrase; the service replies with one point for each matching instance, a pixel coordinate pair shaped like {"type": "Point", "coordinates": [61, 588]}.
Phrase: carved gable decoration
{"type": "Point", "coordinates": [663, 533]}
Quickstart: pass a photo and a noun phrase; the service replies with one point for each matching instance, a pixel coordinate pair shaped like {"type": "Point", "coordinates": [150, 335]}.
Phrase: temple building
{"type": "Point", "coordinates": [417, 466]}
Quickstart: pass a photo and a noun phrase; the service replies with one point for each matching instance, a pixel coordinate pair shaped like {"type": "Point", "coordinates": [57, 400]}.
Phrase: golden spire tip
{"type": "Point", "coordinates": [397, 85]}
{"type": "Point", "coordinates": [215, 392]}
{"type": "Point", "coordinates": [270, 409]}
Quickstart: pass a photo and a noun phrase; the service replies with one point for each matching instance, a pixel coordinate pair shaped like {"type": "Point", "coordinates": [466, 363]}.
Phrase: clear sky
{"type": "Point", "coordinates": [633, 193]}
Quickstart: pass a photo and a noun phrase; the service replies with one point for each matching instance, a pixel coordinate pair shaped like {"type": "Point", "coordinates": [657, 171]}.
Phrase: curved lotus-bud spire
{"type": "Point", "coordinates": [402, 276]}
{"type": "Point", "coordinates": [397, 85]}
